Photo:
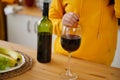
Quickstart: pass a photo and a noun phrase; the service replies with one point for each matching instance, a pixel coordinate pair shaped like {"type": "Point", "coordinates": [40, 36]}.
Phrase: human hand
{"type": "Point", "coordinates": [70, 19]}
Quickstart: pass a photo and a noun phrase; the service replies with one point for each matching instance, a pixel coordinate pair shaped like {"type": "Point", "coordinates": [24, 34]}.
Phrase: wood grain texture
{"type": "Point", "coordinates": [51, 71]}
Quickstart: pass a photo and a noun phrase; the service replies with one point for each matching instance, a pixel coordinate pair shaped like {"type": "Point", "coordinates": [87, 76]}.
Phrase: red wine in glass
{"type": "Point", "coordinates": [70, 42]}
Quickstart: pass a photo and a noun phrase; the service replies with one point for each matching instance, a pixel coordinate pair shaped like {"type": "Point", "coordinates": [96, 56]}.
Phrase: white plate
{"type": "Point", "coordinates": [16, 67]}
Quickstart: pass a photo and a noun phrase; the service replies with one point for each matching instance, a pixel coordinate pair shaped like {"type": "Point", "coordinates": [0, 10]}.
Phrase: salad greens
{"type": "Point", "coordinates": [4, 63]}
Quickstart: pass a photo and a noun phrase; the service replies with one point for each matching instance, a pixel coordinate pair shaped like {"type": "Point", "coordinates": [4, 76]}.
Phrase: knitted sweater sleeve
{"type": "Point", "coordinates": [56, 13]}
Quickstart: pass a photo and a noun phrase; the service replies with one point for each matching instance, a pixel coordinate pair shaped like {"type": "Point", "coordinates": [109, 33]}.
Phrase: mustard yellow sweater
{"type": "Point", "coordinates": [9, 1]}
{"type": "Point", "coordinates": [99, 26]}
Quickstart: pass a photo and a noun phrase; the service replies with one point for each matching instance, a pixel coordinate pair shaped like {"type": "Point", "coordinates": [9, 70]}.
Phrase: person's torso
{"type": "Point", "coordinates": [99, 29]}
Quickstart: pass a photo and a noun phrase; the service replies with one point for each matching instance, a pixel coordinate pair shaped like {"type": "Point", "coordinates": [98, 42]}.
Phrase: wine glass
{"type": "Point", "coordinates": [70, 41]}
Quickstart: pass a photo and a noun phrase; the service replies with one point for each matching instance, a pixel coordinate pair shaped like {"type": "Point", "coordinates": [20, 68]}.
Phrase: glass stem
{"type": "Point", "coordinates": [68, 72]}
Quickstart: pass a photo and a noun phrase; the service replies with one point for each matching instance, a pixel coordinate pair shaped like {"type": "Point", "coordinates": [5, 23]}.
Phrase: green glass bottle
{"type": "Point", "coordinates": [44, 33]}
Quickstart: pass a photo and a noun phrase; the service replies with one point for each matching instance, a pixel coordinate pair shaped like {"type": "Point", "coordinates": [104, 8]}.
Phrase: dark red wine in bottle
{"type": "Point", "coordinates": [44, 47]}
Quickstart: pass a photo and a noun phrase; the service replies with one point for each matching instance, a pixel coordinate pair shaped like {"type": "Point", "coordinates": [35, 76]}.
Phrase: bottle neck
{"type": "Point", "coordinates": [45, 8]}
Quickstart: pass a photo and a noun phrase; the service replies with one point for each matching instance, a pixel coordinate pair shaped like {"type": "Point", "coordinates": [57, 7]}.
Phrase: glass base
{"type": "Point", "coordinates": [72, 76]}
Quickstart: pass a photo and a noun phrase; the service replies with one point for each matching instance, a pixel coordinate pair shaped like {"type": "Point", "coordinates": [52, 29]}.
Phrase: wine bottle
{"type": "Point", "coordinates": [44, 33]}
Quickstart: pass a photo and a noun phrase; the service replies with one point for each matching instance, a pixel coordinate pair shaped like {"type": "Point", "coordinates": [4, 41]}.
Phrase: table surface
{"type": "Point", "coordinates": [51, 71]}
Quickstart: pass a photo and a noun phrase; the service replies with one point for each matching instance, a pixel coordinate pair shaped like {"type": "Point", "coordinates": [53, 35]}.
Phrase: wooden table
{"type": "Point", "coordinates": [51, 71]}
